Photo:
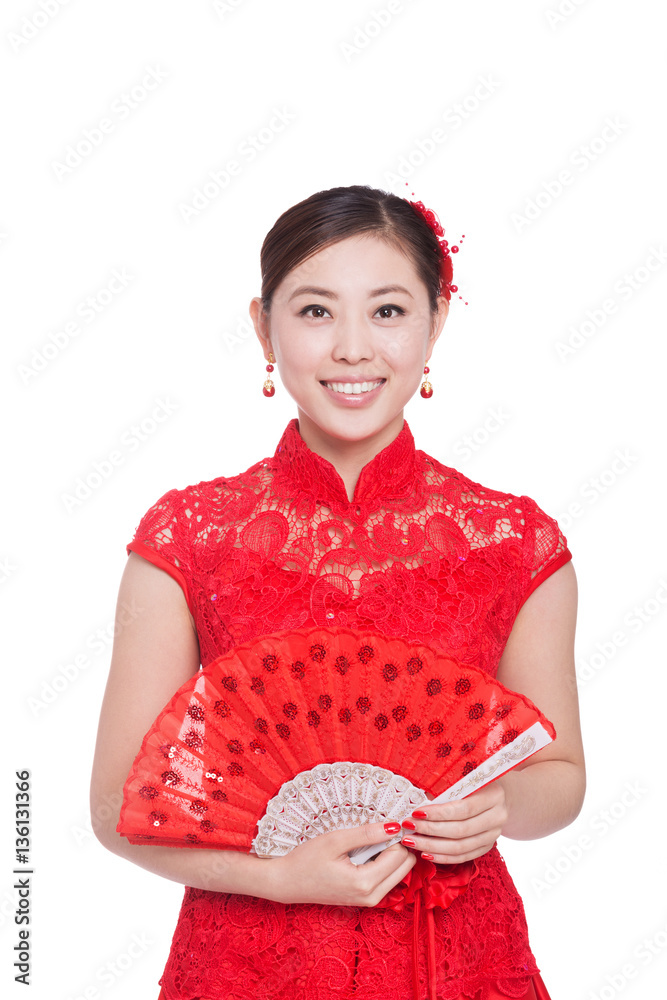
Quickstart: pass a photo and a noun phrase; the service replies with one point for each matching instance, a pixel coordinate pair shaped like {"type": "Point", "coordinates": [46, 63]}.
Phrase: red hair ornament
{"type": "Point", "coordinates": [446, 267]}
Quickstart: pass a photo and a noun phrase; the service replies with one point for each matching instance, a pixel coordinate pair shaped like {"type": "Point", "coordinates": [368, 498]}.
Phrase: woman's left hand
{"type": "Point", "coordinates": [458, 831]}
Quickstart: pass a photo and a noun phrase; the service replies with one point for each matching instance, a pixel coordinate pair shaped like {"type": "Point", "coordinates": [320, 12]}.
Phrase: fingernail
{"type": "Point", "coordinates": [392, 828]}
{"type": "Point", "coordinates": [419, 814]}
{"type": "Point", "coordinates": [409, 825]}
{"type": "Point", "coordinates": [408, 842]}
{"type": "Point", "coordinates": [427, 857]}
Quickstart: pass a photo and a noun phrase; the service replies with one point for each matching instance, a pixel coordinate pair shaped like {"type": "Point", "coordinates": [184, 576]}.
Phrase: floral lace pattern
{"type": "Point", "coordinates": [420, 552]}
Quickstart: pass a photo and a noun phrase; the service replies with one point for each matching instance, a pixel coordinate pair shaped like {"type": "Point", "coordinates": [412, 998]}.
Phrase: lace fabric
{"type": "Point", "coordinates": [420, 552]}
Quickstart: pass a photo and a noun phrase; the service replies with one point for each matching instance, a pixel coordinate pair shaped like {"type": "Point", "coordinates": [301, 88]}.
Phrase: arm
{"type": "Point", "coordinates": [546, 792]}
{"type": "Point", "coordinates": [153, 655]}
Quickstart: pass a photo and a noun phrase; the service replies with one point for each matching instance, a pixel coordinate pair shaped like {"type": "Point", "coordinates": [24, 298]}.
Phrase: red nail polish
{"type": "Point", "coordinates": [392, 828]}
{"type": "Point", "coordinates": [427, 857]}
{"type": "Point", "coordinates": [408, 842]}
{"type": "Point", "coordinates": [408, 824]}
{"type": "Point", "coordinates": [419, 814]}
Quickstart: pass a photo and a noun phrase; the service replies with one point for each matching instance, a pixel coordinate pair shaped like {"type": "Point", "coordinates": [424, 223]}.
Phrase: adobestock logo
{"type": "Point", "coordinates": [247, 151]}
{"type": "Point", "coordinates": [33, 24]}
{"type": "Point", "coordinates": [129, 443]}
{"type": "Point", "coordinates": [597, 486]}
{"type": "Point", "coordinates": [580, 159]}
{"type": "Point", "coordinates": [222, 7]}
{"type": "Point", "coordinates": [634, 621]}
{"type": "Point", "coordinates": [453, 118]}
{"type": "Point", "coordinates": [98, 641]}
{"type": "Point", "coordinates": [365, 33]}
{"type": "Point", "coordinates": [565, 9]}
{"type": "Point", "coordinates": [86, 312]}
{"type": "Point", "coordinates": [467, 446]}
{"type": "Point", "coordinates": [600, 825]}
{"type": "Point", "coordinates": [624, 289]}
{"type": "Point", "coordinates": [121, 108]}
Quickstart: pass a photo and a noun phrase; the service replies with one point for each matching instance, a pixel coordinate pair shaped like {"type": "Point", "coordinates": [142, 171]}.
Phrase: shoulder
{"type": "Point", "coordinates": [466, 493]}
{"type": "Point", "coordinates": [488, 516]}
{"type": "Point", "coordinates": [195, 508]}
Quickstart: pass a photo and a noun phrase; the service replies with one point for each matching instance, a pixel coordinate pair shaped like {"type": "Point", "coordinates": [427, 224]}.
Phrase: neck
{"type": "Point", "coordinates": [348, 457]}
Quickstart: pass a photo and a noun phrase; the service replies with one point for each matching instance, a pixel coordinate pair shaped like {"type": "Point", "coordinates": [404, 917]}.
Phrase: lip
{"type": "Point", "coordinates": [350, 398]}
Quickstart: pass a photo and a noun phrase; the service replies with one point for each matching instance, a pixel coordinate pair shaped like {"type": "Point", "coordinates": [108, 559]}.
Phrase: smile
{"type": "Point", "coordinates": [355, 388]}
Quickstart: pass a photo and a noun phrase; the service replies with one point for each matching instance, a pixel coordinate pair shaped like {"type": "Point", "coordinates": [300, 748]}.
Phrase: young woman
{"type": "Point", "coordinates": [348, 524]}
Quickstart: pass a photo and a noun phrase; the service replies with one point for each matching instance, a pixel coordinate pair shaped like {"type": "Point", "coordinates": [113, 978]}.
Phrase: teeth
{"type": "Point", "coordinates": [353, 387]}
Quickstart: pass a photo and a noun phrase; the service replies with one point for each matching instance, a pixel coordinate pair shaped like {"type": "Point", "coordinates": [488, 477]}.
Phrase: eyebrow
{"type": "Point", "coordinates": [325, 293]}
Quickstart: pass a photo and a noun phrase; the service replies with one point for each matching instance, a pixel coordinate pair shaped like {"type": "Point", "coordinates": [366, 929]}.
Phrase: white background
{"type": "Point", "coordinates": [520, 93]}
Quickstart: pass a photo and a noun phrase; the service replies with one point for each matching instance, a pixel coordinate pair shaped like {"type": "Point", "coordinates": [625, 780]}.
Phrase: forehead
{"type": "Point", "coordinates": [357, 261]}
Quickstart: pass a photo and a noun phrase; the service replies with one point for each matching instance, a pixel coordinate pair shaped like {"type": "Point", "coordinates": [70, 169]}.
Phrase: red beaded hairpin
{"type": "Point", "coordinates": [446, 267]}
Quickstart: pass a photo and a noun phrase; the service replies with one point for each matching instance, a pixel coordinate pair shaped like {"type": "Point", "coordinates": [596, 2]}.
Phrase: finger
{"type": "Point", "coordinates": [391, 880]}
{"type": "Point", "coordinates": [456, 829]}
{"type": "Point", "coordinates": [473, 805]}
{"type": "Point", "coordinates": [455, 850]}
{"type": "Point", "coordinates": [459, 859]}
{"type": "Point", "coordinates": [361, 836]}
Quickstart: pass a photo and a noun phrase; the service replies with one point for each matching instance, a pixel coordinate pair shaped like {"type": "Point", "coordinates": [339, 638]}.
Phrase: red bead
{"type": "Point", "coordinates": [454, 288]}
{"type": "Point", "coordinates": [426, 369]}
{"type": "Point", "coordinates": [269, 392]}
{"type": "Point", "coordinates": [269, 368]}
{"type": "Point", "coordinates": [455, 249]}
{"type": "Point", "coordinates": [426, 393]}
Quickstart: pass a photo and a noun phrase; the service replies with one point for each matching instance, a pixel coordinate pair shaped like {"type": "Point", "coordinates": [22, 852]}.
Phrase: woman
{"type": "Point", "coordinates": [348, 524]}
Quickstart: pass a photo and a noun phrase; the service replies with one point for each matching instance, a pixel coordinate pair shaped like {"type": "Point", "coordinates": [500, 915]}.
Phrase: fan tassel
{"type": "Point", "coordinates": [430, 949]}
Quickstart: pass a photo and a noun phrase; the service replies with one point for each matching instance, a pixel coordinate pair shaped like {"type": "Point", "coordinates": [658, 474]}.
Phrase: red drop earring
{"type": "Point", "coordinates": [269, 388]}
{"type": "Point", "coordinates": [426, 389]}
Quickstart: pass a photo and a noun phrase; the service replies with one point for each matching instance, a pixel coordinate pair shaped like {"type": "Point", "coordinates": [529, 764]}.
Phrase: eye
{"type": "Point", "coordinates": [386, 310]}
{"type": "Point", "coordinates": [317, 312]}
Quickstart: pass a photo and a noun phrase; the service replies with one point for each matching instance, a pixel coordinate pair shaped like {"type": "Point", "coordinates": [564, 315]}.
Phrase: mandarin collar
{"type": "Point", "coordinates": [389, 475]}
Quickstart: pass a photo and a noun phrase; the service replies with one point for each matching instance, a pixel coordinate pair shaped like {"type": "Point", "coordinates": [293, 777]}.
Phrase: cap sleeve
{"type": "Point", "coordinates": [162, 539]}
{"type": "Point", "coordinates": [545, 547]}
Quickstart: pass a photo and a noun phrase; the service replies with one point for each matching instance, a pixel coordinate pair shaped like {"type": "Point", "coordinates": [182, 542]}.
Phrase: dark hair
{"type": "Point", "coordinates": [329, 216]}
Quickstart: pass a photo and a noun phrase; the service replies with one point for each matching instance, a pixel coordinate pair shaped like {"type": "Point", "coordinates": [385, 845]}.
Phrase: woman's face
{"type": "Point", "coordinates": [351, 330]}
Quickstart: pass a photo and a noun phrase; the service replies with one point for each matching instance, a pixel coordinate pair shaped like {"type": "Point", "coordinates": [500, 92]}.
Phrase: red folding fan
{"type": "Point", "coordinates": [306, 731]}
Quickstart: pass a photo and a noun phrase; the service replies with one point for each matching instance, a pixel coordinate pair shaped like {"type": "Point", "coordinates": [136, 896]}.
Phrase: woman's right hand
{"type": "Point", "coordinates": [320, 870]}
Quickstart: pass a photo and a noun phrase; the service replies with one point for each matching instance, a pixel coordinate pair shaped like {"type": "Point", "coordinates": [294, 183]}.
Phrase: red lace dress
{"type": "Point", "coordinates": [420, 552]}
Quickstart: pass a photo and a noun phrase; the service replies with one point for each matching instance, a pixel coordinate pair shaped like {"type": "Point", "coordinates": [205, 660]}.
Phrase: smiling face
{"type": "Point", "coordinates": [351, 330]}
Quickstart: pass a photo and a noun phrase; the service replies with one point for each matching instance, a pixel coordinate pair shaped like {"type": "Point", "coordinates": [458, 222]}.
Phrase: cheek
{"type": "Point", "coordinates": [406, 346]}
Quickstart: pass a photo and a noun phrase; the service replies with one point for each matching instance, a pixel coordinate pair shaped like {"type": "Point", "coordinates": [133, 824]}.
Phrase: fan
{"type": "Point", "coordinates": [304, 731]}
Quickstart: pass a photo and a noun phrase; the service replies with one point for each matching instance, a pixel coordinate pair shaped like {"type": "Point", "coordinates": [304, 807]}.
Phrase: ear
{"type": "Point", "coordinates": [260, 320]}
{"type": "Point", "coordinates": [439, 318]}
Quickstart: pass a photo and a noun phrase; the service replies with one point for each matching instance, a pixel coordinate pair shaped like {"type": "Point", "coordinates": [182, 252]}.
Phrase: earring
{"type": "Point", "coordinates": [426, 389]}
{"type": "Point", "coordinates": [269, 388]}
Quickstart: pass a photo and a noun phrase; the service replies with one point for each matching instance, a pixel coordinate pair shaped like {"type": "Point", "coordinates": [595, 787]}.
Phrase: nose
{"type": "Point", "coordinates": [353, 340]}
